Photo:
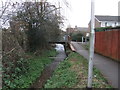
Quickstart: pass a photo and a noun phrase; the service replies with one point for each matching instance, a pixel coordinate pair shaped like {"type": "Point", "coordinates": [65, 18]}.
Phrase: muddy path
{"type": "Point", "coordinates": [47, 72]}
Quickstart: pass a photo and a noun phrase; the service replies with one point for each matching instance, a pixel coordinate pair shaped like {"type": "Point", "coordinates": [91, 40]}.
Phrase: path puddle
{"type": "Point", "coordinates": [47, 73]}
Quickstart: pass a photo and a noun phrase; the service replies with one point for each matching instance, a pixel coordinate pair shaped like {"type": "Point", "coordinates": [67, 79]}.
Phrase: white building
{"type": "Point", "coordinates": [106, 21]}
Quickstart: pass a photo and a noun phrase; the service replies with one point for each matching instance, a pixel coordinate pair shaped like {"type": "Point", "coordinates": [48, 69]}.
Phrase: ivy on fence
{"type": "Point", "coordinates": [99, 29]}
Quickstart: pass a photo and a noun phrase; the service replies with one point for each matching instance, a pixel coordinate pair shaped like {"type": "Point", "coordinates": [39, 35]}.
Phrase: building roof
{"type": "Point", "coordinates": [107, 18]}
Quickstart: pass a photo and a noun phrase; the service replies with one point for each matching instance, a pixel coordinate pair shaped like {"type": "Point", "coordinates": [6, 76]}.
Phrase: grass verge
{"type": "Point", "coordinates": [72, 73]}
{"type": "Point", "coordinates": [86, 46]}
{"type": "Point", "coordinates": [36, 65]}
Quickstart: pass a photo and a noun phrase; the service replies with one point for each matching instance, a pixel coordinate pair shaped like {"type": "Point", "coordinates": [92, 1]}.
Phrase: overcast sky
{"type": "Point", "coordinates": [79, 11]}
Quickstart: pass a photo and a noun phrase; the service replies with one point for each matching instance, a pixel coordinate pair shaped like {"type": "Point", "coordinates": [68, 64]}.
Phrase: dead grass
{"type": "Point", "coordinates": [79, 69]}
{"type": "Point", "coordinates": [79, 65]}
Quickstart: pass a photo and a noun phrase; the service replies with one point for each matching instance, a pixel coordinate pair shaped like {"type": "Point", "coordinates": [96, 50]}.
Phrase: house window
{"type": "Point", "coordinates": [102, 24]}
{"type": "Point", "coordinates": [105, 24]}
{"type": "Point", "coordinates": [115, 24]}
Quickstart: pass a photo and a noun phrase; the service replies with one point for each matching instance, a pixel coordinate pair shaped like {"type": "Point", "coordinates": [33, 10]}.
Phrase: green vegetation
{"type": "Point", "coordinates": [32, 26]}
{"type": "Point", "coordinates": [86, 46]}
{"type": "Point", "coordinates": [39, 22]}
{"type": "Point", "coordinates": [77, 37]}
{"type": "Point", "coordinates": [99, 29]}
{"type": "Point", "coordinates": [99, 80]}
{"type": "Point", "coordinates": [63, 77]}
{"type": "Point", "coordinates": [23, 77]}
{"type": "Point", "coordinates": [72, 73]}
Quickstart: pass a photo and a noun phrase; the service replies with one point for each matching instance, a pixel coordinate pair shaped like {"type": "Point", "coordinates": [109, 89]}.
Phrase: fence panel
{"type": "Point", "coordinates": [97, 43]}
{"type": "Point", "coordinates": [100, 42]}
{"type": "Point", "coordinates": [114, 54]}
{"type": "Point", "coordinates": [103, 44]}
{"type": "Point", "coordinates": [107, 43]}
{"type": "Point", "coordinates": [119, 45]}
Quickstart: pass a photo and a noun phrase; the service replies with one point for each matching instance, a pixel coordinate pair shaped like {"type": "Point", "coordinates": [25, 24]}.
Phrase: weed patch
{"type": "Point", "coordinates": [24, 77]}
{"type": "Point", "coordinates": [63, 77]}
{"type": "Point", "coordinates": [73, 73]}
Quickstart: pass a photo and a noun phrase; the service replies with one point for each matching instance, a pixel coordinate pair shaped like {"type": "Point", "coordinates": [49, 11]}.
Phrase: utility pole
{"type": "Point", "coordinates": [91, 50]}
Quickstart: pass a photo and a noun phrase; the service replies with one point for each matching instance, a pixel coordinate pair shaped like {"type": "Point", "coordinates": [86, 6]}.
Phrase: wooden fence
{"type": "Point", "coordinates": [107, 43]}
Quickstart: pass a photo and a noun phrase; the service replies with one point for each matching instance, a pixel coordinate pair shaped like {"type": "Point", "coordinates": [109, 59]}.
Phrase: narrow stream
{"type": "Point", "coordinates": [47, 72]}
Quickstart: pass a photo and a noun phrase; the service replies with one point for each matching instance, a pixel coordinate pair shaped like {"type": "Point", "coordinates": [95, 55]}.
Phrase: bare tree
{"type": "Point", "coordinates": [42, 21]}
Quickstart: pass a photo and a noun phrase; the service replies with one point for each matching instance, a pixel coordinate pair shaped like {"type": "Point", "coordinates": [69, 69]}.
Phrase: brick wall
{"type": "Point", "coordinates": [97, 24]}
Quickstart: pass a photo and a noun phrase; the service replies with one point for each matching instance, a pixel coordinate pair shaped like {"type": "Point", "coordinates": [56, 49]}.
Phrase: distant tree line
{"type": "Point", "coordinates": [77, 37]}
